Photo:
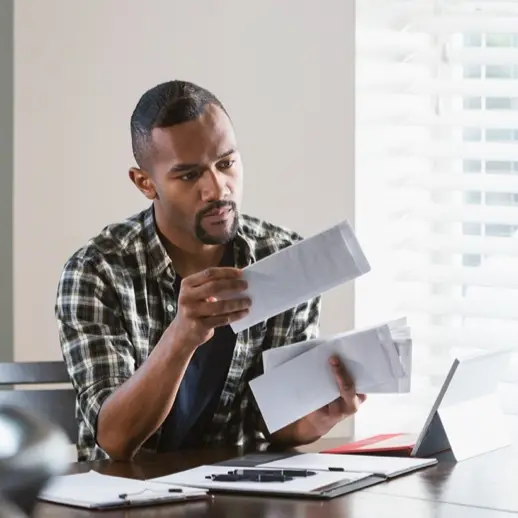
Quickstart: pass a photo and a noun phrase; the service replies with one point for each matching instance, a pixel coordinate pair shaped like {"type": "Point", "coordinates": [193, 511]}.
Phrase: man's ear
{"type": "Point", "coordinates": [142, 179]}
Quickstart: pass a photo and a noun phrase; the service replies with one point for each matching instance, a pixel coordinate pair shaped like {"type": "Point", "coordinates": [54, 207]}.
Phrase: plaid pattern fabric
{"type": "Point", "coordinates": [115, 298]}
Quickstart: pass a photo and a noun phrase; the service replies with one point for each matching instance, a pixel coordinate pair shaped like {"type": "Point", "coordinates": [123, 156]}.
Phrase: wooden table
{"type": "Point", "coordinates": [481, 487]}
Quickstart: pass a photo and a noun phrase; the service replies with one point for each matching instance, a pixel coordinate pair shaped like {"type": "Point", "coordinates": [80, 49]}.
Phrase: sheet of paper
{"type": "Point", "coordinates": [399, 332]}
{"type": "Point", "coordinates": [399, 328]}
{"type": "Point", "coordinates": [275, 357]}
{"type": "Point", "coordinates": [387, 466]}
{"type": "Point", "coordinates": [272, 358]}
{"type": "Point", "coordinates": [306, 383]}
{"type": "Point", "coordinates": [197, 477]}
{"type": "Point", "coordinates": [302, 271]}
{"type": "Point", "coordinates": [93, 489]}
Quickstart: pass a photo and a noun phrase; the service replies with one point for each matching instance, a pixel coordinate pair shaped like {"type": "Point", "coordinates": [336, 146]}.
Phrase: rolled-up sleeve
{"type": "Point", "coordinates": [95, 345]}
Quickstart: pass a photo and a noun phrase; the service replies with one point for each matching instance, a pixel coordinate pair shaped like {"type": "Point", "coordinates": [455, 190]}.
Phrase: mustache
{"type": "Point", "coordinates": [216, 205]}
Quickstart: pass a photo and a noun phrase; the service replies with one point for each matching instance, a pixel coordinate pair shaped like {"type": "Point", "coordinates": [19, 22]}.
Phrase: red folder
{"type": "Point", "coordinates": [397, 444]}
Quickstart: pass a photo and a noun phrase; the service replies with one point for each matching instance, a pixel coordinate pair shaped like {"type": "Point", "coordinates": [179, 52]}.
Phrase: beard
{"type": "Point", "coordinates": [228, 230]}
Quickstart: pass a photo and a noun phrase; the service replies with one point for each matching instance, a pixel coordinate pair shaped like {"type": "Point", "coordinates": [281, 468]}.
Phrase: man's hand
{"type": "Point", "coordinates": [201, 308]}
{"type": "Point", "coordinates": [140, 405]}
{"type": "Point", "coordinates": [318, 423]}
{"type": "Point", "coordinates": [323, 420]}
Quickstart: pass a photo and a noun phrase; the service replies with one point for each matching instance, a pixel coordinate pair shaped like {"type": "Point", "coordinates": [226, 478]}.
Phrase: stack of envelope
{"type": "Point", "coordinates": [297, 378]}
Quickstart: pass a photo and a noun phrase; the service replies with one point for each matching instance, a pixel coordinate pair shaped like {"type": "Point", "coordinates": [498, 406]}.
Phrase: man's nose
{"type": "Point", "coordinates": [213, 186]}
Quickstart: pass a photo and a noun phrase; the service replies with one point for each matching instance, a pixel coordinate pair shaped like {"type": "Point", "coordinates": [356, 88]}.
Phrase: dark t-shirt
{"type": "Point", "coordinates": [201, 385]}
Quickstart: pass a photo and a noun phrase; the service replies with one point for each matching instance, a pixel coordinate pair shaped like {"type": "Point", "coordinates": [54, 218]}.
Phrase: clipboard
{"type": "Point", "coordinates": [319, 485]}
{"type": "Point", "coordinates": [92, 490]}
{"type": "Point", "coordinates": [295, 474]}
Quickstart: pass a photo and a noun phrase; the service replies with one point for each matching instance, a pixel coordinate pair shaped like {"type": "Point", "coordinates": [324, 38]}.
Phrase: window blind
{"type": "Point", "coordinates": [437, 174]}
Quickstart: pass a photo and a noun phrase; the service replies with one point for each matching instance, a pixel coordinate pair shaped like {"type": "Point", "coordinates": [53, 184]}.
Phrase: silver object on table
{"type": "Point", "coordinates": [32, 451]}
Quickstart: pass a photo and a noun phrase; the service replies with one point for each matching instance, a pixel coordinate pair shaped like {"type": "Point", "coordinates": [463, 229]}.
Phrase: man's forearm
{"type": "Point", "coordinates": [294, 434]}
{"type": "Point", "coordinates": [140, 405]}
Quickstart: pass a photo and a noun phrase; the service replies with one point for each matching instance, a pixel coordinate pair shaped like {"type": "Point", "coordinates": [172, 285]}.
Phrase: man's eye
{"type": "Point", "coordinates": [226, 164]}
{"type": "Point", "coordinates": [187, 177]}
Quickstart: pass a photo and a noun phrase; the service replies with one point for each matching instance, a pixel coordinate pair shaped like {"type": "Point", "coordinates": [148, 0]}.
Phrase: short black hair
{"type": "Point", "coordinates": [165, 105]}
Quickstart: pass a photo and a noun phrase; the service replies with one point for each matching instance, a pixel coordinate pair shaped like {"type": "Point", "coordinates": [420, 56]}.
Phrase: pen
{"type": "Point", "coordinates": [231, 477]}
{"type": "Point", "coordinates": [224, 478]}
{"type": "Point", "coordinates": [284, 472]}
{"type": "Point", "coordinates": [124, 496]}
{"type": "Point", "coordinates": [375, 473]}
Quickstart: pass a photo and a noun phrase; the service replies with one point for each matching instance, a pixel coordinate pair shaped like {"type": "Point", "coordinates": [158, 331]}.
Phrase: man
{"type": "Point", "coordinates": [144, 308]}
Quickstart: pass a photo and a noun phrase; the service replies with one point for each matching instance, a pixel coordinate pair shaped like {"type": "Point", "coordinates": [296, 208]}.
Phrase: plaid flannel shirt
{"type": "Point", "coordinates": [115, 298]}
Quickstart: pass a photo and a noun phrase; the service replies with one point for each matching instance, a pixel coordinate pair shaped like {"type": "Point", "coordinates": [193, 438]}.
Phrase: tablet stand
{"type": "Point", "coordinates": [466, 417]}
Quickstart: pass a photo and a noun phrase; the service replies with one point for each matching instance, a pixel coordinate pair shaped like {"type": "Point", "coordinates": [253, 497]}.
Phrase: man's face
{"type": "Point", "coordinates": [195, 177]}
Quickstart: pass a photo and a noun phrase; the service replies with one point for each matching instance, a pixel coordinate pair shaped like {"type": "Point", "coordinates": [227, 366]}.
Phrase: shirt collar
{"type": "Point", "coordinates": [243, 246]}
{"type": "Point", "coordinates": [155, 248]}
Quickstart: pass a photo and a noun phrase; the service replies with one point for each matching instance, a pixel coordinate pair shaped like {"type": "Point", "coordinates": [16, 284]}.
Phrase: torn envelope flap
{"type": "Point", "coordinates": [400, 385]}
{"type": "Point", "coordinates": [404, 350]}
{"type": "Point", "coordinates": [391, 351]}
{"type": "Point", "coordinates": [401, 333]}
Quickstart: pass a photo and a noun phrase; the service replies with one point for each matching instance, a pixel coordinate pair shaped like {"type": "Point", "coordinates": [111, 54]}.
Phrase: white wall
{"type": "Point", "coordinates": [285, 70]}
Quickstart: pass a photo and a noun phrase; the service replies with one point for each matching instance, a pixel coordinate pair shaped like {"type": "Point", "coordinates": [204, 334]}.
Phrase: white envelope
{"type": "Point", "coordinates": [400, 334]}
{"type": "Point", "coordinates": [300, 272]}
{"type": "Point", "coordinates": [306, 383]}
{"type": "Point", "coordinates": [273, 358]}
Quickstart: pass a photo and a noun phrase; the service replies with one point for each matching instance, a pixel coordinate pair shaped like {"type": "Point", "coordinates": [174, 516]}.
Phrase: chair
{"type": "Point", "coordinates": [55, 404]}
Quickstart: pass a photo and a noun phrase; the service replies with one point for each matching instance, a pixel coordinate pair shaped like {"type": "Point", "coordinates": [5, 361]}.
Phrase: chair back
{"type": "Point", "coordinates": [56, 404]}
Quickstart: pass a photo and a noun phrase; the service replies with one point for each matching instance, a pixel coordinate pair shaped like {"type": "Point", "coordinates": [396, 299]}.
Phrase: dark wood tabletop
{"type": "Point", "coordinates": [482, 487]}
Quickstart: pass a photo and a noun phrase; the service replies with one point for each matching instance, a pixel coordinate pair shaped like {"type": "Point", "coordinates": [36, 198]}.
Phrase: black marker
{"type": "Point", "coordinates": [230, 477]}
{"type": "Point", "coordinates": [224, 478]}
{"type": "Point", "coordinates": [280, 472]}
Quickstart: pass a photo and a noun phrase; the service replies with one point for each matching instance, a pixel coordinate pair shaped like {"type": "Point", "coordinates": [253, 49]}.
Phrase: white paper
{"type": "Point", "coordinates": [307, 383]}
{"type": "Point", "coordinates": [273, 358]}
{"type": "Point", "coordinates": [399, 332]}
{"type": "Point", "coordinates": [196, 478]}
{"type": "Point", "coordinates": [92, 489]}
{"type": "Point", "coordinates": [300, 272]}
{"type": "Point", "coordinates": [386, 466]}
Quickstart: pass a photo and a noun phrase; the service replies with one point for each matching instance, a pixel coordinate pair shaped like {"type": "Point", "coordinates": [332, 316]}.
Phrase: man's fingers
{"type": "Point", "coordinates": [345, 382]}
{"type": "Point", "coordinates": [211, 274]}
{"type": "Point", "coordinates": [224, 320]}
{"type": "Point", "coordinates": [218, 288]}
{"type": "Point", "coordinates": [351, 401]}
{"type": "Point", "coordinates": [337, 408]}
{"type": "Point", "coordinates": [213, 307]}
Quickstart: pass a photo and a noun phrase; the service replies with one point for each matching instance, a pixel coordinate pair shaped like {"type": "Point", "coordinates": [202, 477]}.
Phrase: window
{"type": "Point", "coordinates": [437, 177]}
